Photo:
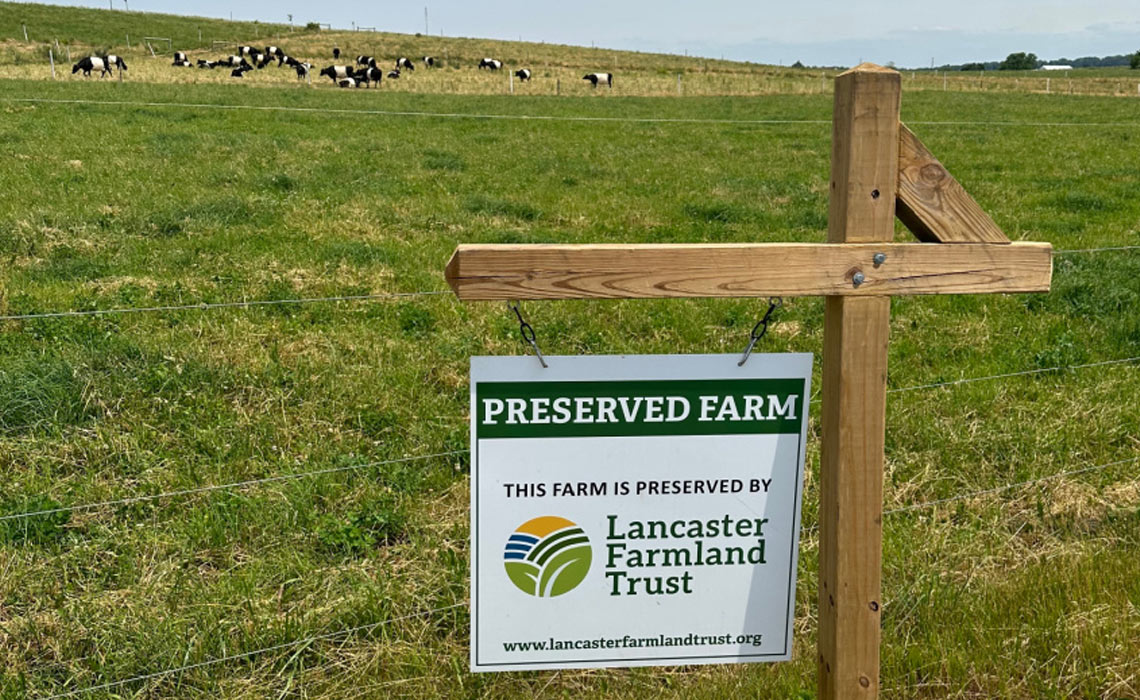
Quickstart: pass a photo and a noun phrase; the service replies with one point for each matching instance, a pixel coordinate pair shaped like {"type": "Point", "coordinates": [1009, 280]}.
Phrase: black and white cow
{"type": "Point", "coordinates": [491, 64]}
{"type": "Point", "coordinates": [370, 75]}
{"type": "Point", "coordinates": [245, 50]}
{"type": "Point", "coordinates": [365, 61]}
{"type": "Point", "coordinates": [402, 63]}
{"type": "Point", "coordinates": [348, 83]}
{"type": "Point", "coordinates": [114, 61]}
{"type": "Point", "coordinates": [523, 75]}
{"type": "Point", "coordinates": [336, 53]}
{"type": "Point", "coordinates": [240, 72]}
{"type": "Point", "coordinates": [595, 78]}
{"type": "Point", "coordinates": [338, 72]}
{"type": "Point", "coordinates": [180, 56]}
{"type": "Point", "coordinates": [302, 70]}
{"type": "Point", "coordinates": [274, 51]}
{"type": "Point", "coordinates": [91, 63]}
{"type": "Point", "coordinates": [203, 63]}
{"type": "Point", "coordinates": [394, 74]}
{"type": "Point", "coordinates": [182, 64]}
{"type": "Point", "coordinates": [290, 61]}
{"type": "Point", "coordinates": [260, 60]}
{"type": "Point", "coordinates": [429, 61]}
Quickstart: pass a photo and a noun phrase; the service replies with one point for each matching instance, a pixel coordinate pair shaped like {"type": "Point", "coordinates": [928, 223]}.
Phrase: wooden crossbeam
{"type": "Point", "coordinates": [932, 204]}
{"type": "Point", "coordinates": [506, 271]}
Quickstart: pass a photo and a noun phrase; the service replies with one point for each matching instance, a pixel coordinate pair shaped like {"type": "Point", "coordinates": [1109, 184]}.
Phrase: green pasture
{"type": "Point", "coordinates": [1028, 593]}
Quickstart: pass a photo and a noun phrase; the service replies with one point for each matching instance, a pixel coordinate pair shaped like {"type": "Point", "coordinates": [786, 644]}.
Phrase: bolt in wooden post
{"type": "Point", "coordinates": [864, 175]}
{"type": "Point", "coordinates": [51, 57]}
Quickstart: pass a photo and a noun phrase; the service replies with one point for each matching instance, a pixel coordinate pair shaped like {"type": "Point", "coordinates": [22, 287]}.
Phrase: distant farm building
{"type": "Point", "coordinates": [1061, 67]}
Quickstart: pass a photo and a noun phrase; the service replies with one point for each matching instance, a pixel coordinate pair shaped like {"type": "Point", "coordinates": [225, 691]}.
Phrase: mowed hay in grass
{"type": "Point", "coordinates": [1025, 593]}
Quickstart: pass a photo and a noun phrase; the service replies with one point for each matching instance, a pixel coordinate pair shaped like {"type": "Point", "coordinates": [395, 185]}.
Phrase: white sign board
{"type": "Point", "coordinates": [635, 511]}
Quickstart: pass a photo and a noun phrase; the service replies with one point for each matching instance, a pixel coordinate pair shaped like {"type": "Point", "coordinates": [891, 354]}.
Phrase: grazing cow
{"type": "Point", "coordinates": [182, 64]}
{"type": "Point", "coordinates": [302, 70]}
{"type": "Point", "coordinates": [370, 75]}
{"type": "Point", "coordinates": [290, 61]}
{"type": "Point", "coordinates": [245, 50]}
{"type": "Point", "coordinates": [180, 56]}
{"type": "Point", "coordinates": [490, 63]}
{"type": "Point", "coordinates": [523, 75]}
{"type": "Point", "coordinates": [336, 53]}
{"type": "Point", "coordinates": [203, 63]}
{"type": "Point", "coordinates": [595, 78]}
{"type": "Point", "coordinates": [89, 64]}
{"type": "Point", "coordinates": [338, 72]}
{"type": "Point", "coordinates": [348, 83]}
{"type": "Point", "coordinates": [402, 63]}
{"type": "Point", "coordinates": [240, 72]}
{"type": "Point", "coordinates": [114, 61]}
{"type": "Point", "coordinates": [274, 51]}
{"type": "Point", "coordinates": [394, 74]}
{"type": "Point", "coordinates": [366, 61]}
{"type": "Point", "coordinates": [429, 61]}
{"type": "Point", "coordinates": [260, 60]}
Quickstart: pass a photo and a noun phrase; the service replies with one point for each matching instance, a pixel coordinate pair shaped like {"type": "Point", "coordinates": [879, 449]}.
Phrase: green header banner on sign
{"type": "Point", "coordinates": [632, 408]}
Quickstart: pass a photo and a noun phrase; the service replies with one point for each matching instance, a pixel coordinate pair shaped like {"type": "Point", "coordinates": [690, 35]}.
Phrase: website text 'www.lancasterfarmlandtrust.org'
{"type": "Point", "coordinates": [629, 642]}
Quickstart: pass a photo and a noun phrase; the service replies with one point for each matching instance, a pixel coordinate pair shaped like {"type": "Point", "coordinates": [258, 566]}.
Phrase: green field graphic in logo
{"type": "Point", "coordinates": [547, 556]}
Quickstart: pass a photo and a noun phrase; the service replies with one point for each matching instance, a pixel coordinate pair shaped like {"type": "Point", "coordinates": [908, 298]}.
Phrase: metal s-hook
{"type": "Point", "coordinates": [527, 332]}
{"type": "Point", "coordinates": [760, 329]}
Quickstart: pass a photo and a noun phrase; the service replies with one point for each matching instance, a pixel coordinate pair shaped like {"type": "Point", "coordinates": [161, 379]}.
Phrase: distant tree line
{"type": "Point", "coordinates": [1029, 61]}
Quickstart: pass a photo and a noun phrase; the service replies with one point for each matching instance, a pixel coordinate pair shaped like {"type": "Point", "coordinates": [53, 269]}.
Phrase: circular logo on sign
{"type": "Point", "coordinates": [547, 556]}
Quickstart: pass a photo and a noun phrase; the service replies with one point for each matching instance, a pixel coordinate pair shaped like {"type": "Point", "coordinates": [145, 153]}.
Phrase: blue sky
{"type": "Point", "coordinates": [907, 32]}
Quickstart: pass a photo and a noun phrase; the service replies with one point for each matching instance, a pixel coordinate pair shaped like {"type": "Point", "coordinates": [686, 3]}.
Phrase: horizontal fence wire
{"type": "Point", "coordinates": [249, 654]}
{"type": "Point", "coordinates": [204, 306]}
{"type": "Point", "coordinates": [218, 305]}
{"type": "Point", "coordinates": [535, 117]}
{"type": "Point", "coordinates": [1008, 487]}
{"type": "Point", "coordinates": [225, 487]}
{"type": "Point", "coordinates": [1009, 375]}
{"type": "Point", "coordinates": [455, 453]}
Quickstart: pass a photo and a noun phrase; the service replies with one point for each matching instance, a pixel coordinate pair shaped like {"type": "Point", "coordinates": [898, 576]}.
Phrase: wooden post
{"type": "Point", "coordinates": [51, 57]}
{"type": "Point", "coordinates": [128, 41]}
{"type": "Point", "coordinates": [25, 28]}
{"type": "Point", "coordinates": [679, 92]}
{"type": "Point", "coordinates": [558, 86]}
{"type": "Point", "coordinates": [511, 80]}
{"type": "Point", "coordinates": [864, 174]}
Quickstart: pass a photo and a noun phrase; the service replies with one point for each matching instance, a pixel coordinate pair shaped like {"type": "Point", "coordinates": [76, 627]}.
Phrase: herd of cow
{"type": "Point", "coordinates": [364, 73]}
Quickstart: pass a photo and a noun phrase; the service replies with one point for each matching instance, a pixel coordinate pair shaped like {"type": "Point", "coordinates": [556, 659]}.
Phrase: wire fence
{"type": "Point", "coordinates": [538, 117]}
{"type": "Point", "coordinates": [249, 654]}
{"type": "Point", "coordinates": [280, 478]}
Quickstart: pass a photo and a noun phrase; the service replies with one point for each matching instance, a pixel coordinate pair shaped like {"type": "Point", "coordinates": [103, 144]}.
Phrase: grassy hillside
{"type": "Point", "coordinates": [109, 28]}
{"type": "Point", "coordinates": [1029, 593]}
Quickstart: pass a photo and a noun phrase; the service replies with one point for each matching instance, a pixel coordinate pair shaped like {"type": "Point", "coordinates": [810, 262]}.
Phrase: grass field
{"type": "Point", "coordinates": [1027, 593]}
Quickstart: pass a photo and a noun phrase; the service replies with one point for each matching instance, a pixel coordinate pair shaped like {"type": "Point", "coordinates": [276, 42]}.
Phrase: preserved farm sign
{"type": "Point", "coordinates": [635, 511]}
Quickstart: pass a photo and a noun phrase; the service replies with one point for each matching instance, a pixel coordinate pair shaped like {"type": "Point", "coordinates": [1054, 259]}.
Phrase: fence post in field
{"type": "Point", "coordinates": [128, 41]}
{"type": "Point", "coordinates": [25, 28]}
{"type": "Point", "coordinates": [558, 86]}
{"type": "Point", "coordinates": [679, 91]}
{"type": "Point", "coordinates": [51, 57]}
{"type": "Point", "coordinates": [511, 80]}
{"type": "Point", "coordinates": [864, 175]}
{"type": "Point", "coordinates": [199, 35]}
{"type": "Point", "coordinates": [1047, 86]}
{"type": "Point", "coordinates": [880, 171]}
{"type": "Point", "coordinates": [68, 53]}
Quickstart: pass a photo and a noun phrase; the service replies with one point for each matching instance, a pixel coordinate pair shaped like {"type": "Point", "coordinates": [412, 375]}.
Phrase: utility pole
{"type": "Point", "coordinates": [426, 32]}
